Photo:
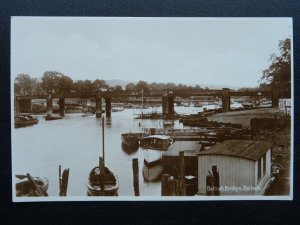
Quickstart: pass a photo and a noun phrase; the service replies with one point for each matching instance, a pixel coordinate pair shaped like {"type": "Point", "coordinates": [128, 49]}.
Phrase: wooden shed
{"type": "Point", "coordinates": [244, 167]}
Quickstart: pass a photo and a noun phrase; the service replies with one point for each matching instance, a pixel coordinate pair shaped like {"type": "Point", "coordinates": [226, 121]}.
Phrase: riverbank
{"type": "Point", "coordinates": [280, 139]}
{"type": "Point", "coordinates": [243, 117]}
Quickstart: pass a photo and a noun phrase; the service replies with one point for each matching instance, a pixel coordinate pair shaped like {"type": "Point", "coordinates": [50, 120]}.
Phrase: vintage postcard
{"type": "Point", "coordinates": [121, 108]}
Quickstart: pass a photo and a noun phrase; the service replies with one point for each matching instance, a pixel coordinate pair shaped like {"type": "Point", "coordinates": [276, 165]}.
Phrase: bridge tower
{"type": "Point", "coordinates": [98, 99]}
{"type": "Point", "coordinates": [49, 103]}
{"type": "Point", "coordinates": [225, 100]}
{"type": "Point", "coordinates": [22, 105]}
{"type": "Point", "coordinates": [108, 106]}
{"type": "Point", "coordinates": [167, 103]}
{"type": "Point", "coordinates": [62, 106]}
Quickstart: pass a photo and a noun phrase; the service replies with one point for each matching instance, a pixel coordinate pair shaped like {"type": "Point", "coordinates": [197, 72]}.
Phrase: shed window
{"type": "Point", "coordinates": [264, 164]}
{"type": "Point", "coordinates": [258, 169]}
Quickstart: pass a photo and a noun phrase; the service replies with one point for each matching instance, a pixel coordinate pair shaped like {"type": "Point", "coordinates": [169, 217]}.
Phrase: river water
{"type": "Point", "coordinates": [75, 142]}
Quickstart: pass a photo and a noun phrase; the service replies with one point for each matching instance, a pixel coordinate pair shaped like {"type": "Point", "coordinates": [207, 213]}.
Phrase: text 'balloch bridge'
{"type": "Point", "coordinates": [167, 97]}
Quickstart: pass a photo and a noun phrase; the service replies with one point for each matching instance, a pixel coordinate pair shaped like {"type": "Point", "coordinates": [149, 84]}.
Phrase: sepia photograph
{"type": "Point", "coordinates": [151, 108]}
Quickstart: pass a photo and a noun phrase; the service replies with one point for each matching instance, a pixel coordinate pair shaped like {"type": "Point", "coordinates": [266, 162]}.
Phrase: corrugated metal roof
{"type": "Point", "coordinates": [248, 149]}
{"type": "Point", "coordinates": [189, 147]}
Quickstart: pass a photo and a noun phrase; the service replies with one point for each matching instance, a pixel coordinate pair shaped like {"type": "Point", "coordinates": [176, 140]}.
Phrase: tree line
{"type": "Point", "coordinates": [60, 83]}
{"type": "Point", "coordinates": [276, 77]}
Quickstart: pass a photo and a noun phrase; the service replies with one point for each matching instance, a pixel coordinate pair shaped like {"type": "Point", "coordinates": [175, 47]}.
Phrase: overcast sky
{"type": "Point", "coordinates": [227, 52]}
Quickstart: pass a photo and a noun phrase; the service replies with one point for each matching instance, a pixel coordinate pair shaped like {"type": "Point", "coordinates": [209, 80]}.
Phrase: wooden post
{"type": "Point", "coordinates": [59, 177]}
{"type": "Point", "coordinates": [216, 180]}
{"type": "Point", "coordinates": [182, 187]}
{"type": "Point", "coordinates": [210, 183]}
{"type": "Point", "coordinates": [63, 181]}
{"type": "Point", "coordinates": [164, 184]}
{"type": "Point", "coordinates": [101, 167]}
{"type": "Point", "coordinates": [135, 168]}
{"type": "Point", "coordinates": [172, 186]}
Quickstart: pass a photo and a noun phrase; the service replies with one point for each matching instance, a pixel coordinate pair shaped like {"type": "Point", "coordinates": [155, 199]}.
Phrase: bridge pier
{"type": "Point", "coordinates": [49, 103]}
{"type": "Point", "coordinates": [23, 106]}
{"type": "Point", "coordinates": [168, 103]}
{"type": "Point", "coordinates": [61, 106]}
{"type": "Point", "coordinates": [98, 100]}
{"type": "Point", "coordinates": [225, 100]}
{"type": "Point", "coordinates": [108, 107]}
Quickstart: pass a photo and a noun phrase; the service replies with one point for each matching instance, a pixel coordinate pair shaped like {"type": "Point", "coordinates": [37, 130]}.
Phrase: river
{"type": "Point", "coordinates": [75, 142]}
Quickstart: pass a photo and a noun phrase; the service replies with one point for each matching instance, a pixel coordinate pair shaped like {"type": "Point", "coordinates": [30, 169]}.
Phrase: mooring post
{"type": "Point", "coordinates": [172, 186]}
{"type": "Point", "coordinates": [59, 177]}
{"type": "Point", "coordinates": [102, 173]}
{"type": "Point", "coordinates": [164, 184]}
{"type": "Point", "coordinates": [216, 180]}
{"type": "Point", "coordinates": [182, 187]}
{"type": "Point", "coordinates": [63, 181]}
{"type": "Point", "coordinates": [210, 183]}
{"type": "Point", "coordinates": [135, 168]}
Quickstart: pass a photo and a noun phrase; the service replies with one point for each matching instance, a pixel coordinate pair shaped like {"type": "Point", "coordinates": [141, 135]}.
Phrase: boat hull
{"type": "Point", "coordinates": [24, 121]}
{"type": "Point", "coordinates": [130, 140]}
{"type": "Point", "coordinates": [111, 184]}
{"type": "Point", "coordinates": [152, 171]}
{"type": "Point", "coordinates": [24, 188]}
{"type": "Point", "coordinates": [53, 117]}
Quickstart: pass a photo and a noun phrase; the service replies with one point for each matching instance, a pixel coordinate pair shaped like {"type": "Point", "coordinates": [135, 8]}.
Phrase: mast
{"type": "Point", "coordinates": [142, 99]}
{"type": "Point", "coordinates": [103, 138]}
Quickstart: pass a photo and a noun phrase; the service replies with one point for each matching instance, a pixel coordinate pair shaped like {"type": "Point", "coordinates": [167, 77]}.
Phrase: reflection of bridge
{"type": "Point", "coordinates": [167, 97]}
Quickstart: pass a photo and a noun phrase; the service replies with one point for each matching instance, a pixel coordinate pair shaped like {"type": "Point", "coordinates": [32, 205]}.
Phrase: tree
{"type": "Point", "coordinates": [23, 84]}
{"type": "Point", "coordinates": [99, 84]}
{"type": "Point", "coordinates": [141, 85]}
{"type": "Point", "coordinates": [129, 86]}
{"type": "Point", "coordinates": [56, 82]}
{"type": "Point", "coordinates": [278, 75]}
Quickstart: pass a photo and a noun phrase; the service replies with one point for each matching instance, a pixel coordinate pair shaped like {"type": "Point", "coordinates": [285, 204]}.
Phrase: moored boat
{"type": "Point", "coordinates": [131, 139]}
{"type": "Point", "coordinates": [117, 108]}
{"type": "Point", "coordinates": [110, 183]}
{"type": "Point", "coordinates": [130, 142]}
{"type": "Point", "coordinates": [24, 121]}
{"type": "Point", "coordinates": [102, 181]}
{"type": "Point", "coordinates": [27, 186]}
{"type": "Point", "coordinates": [87, 114]}
{"type": "Point", "coordinates": [168, 123]}
{"type": "Point", "coordinates": [154, 146]}
{"type": "Point", "coordinates": [52, 117]}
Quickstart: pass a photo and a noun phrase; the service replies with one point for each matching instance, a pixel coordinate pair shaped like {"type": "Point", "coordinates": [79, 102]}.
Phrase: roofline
{"type": "Point", "coordinates": [235, 156]}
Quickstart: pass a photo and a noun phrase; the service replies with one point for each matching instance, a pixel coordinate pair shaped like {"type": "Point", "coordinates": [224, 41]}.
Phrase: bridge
{"type": "Point", "coordinates": [167, 96]}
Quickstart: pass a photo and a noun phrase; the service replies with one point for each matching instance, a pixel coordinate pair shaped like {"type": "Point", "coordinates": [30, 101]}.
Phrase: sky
{"type": "Point", "coordinates": [206, 51]}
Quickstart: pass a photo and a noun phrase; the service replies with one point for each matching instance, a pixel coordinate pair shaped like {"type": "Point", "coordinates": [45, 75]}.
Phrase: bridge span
{"type": "Point", "coordinates": [167, 97]}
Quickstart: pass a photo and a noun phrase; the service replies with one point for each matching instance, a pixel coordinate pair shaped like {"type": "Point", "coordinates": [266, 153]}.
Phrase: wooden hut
{"type": "Point", "coordinates": [244, 167]}
{"type": "Point", "coordinates": [171, 163]}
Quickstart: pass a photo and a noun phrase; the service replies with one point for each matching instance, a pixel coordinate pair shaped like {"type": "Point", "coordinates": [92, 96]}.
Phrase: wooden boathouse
{"type": "Point", "coordinates": [171, 163]}
{"type": "Point", "coordinates": [244, 167]}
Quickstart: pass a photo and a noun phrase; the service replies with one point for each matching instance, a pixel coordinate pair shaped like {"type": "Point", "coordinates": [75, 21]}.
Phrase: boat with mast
{"type": "Point", "coordinates": [102, 181]}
